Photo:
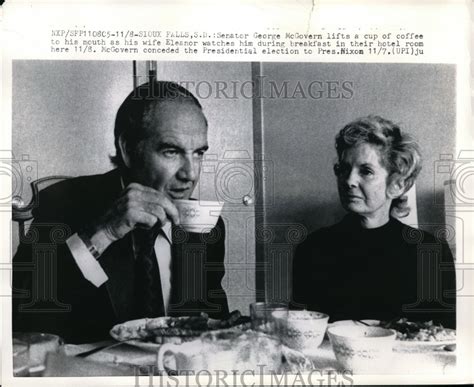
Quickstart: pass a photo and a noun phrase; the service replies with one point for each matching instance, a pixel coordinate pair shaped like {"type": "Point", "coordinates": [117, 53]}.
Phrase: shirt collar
{"type": "Point", "coordinates": [166, 228]}
{"type": "Point", "coordinates": [167, 231]}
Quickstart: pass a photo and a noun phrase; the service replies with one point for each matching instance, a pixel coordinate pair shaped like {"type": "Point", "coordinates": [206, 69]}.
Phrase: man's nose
{"type": "Point", "coordinates": [189, 169]}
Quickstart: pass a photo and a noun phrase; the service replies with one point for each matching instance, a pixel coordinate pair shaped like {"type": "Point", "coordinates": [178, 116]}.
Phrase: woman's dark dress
{"type": "Point", "coordinates": [392, 271]}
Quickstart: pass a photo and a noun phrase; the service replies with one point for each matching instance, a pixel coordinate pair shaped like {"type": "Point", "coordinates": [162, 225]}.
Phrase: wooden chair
{"type": "Point", "coordinates": [21, 212]}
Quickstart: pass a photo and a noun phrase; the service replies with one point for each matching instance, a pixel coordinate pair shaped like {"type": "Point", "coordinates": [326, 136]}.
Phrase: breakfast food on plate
{"type": "Point", "coordinates": [173, 329]}
{"type": "Point", "coordinates": [234, 320]}
{"type": "Point", "coordinates": [131, 330]}
{"type": "Point", "coordinates": [419, 331]}
{"type": "Point", "coordinates": [147, 329]}
{"type": "Point", "coordinates": [177, 326]}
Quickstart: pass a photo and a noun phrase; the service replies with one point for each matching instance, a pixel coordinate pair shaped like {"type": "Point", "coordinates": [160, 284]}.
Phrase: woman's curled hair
{"type": "Point", "coordinates": [399, 152]}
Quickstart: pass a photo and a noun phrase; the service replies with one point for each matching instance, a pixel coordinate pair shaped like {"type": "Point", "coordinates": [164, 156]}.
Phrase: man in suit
{"type": "Point", "coordinates": [109, 247]}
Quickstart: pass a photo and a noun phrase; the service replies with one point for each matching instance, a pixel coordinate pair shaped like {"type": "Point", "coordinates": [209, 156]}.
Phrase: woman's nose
{"type": "Point", "coordinates": [352, 178]}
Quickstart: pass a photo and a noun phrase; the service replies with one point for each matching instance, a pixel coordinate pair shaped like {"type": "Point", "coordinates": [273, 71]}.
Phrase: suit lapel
{"type": "Point", "coordinates": [118, 260]}
{"type": "Point", "coordinates": [119, 264]}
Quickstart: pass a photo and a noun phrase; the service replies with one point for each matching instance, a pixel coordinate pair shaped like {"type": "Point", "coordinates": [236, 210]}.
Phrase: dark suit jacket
{"type": "Point", "coordinates": [50, 293]}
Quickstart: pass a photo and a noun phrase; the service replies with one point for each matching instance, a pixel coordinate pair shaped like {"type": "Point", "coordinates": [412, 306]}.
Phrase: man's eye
{"type": "Point", "coordinates": [367, 172]}
{"type": "Point", "coordinates": [170, 152]}
{"type": "Point", "coordinates": [200, 153]}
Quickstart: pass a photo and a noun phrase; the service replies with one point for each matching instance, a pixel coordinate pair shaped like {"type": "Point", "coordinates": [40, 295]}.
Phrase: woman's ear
{"type": "Point", "coordinates": [396, 188]}
{"type": "Point", "coordinates": [124, 152]}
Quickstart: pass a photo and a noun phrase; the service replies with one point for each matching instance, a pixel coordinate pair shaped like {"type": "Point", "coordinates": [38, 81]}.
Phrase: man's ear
{"type": "Point", "coordinates": [124, 151]}
{"type": "Point", "coordinates": [396, 188]}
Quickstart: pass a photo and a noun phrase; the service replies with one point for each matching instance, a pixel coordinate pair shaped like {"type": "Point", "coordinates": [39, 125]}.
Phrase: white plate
{"type": "Point", "coordinates": [132, 326]}
{"type": "Point", "coordinates": [145, 345]}
{"type": "Point", "coordinates": [421, 346]}
{"type": "Point", "coordinates": [400, 345]}
{"type": "Point", "coordinates": [151, 346]}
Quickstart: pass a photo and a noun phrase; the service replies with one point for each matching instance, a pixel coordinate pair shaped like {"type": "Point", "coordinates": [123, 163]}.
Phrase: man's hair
{"type": "Point", "coordinates": [399, 153]}
{"type": "Point", "coordinates": [137, 112]}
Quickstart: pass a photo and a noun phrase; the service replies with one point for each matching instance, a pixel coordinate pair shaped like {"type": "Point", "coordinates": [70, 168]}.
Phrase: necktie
{"type": "Point", "coordinates": [149, 297]}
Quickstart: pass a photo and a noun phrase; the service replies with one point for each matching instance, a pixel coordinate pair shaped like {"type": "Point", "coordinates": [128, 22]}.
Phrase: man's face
{"type": "Point", "coordinates": [169, 157]}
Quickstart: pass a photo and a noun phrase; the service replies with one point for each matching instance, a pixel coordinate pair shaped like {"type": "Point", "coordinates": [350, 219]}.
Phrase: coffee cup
{"type": "Point", "coordinates": [198, 216]}
{"type": "Point", "coordinates": [362, 349]}
{"type": "Point", "coordinates": [306, 330]}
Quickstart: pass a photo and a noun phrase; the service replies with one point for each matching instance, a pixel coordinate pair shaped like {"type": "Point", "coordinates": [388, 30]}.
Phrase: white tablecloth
{"type": "Point", "coordinates": [429, 362]}
{"type": "Point", "coordinates": [435, 361]}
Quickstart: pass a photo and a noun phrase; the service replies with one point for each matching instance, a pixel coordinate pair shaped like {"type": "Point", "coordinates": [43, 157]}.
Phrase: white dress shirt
{"type": "Point", "coordinates": [93, 272]}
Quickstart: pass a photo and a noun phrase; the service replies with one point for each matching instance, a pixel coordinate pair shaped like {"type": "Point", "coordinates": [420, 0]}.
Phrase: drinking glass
{"type": "Point", "coordinates": [270, 318]}
{"type": "Point", "coordinates": [39, 345]}
{"type": "Point", "coordinates": [20, 358]}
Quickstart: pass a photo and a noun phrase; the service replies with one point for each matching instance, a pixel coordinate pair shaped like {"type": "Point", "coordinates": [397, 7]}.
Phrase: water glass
{"type": "Point", "coordinates": [20, 358]}
{"type": "Point", "coordinates": [270, 318]}
{"type": "Point", "coordinates": [39, 345]}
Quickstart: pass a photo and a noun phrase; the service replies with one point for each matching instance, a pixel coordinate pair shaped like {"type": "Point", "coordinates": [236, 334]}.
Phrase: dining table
{"type": "Point", "coordinates": [128, 359]}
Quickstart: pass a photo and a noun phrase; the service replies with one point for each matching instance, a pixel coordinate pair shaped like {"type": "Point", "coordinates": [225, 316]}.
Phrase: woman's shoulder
{"type": "Point", "coordinates": [324, 235]}
{"type": "Point", "coordinates": [415, 235]}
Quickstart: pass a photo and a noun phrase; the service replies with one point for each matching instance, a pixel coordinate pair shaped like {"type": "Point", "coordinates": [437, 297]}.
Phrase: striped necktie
{"type": "Point", "coordinates": [148, 293]}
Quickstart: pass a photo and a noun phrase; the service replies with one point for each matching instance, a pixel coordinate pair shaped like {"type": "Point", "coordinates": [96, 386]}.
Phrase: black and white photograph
{"type": "Point", "coordinates": [265, 218]}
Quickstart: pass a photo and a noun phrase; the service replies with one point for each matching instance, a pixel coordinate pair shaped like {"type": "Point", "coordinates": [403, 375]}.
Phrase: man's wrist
{"type": "Point", "coordinates": [96, 241]}
{"type": "Point", "coordinates": [88, 265]}
{"type": "Point", "coordinates": [90, 246]}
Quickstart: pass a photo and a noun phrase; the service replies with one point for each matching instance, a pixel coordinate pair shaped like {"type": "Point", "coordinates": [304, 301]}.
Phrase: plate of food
{"type": "Point", "coordinates": [150, 333]}
{"type": "Point", "coordinates": [420, 336]}
{"type": "Point", "coordinates": [412, 336]}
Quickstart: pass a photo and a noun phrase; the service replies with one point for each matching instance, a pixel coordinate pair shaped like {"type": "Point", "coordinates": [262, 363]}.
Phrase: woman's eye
{"type": "Point", "coordinates": [367, 172]}
{"type": "Point", "coordinates": [341, 170]}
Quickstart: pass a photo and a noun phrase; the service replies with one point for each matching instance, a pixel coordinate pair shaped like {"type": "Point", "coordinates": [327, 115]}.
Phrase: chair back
{"type": "Point", "coordinates": [21, 212]}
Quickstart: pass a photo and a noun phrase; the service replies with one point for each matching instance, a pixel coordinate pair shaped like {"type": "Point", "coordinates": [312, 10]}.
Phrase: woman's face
{"type": "Point", "coordinates": [362, 182]}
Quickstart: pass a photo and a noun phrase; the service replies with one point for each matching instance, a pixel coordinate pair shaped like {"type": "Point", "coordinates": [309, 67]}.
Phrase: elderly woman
{"type": "Point", "coordinates": [370, 265]}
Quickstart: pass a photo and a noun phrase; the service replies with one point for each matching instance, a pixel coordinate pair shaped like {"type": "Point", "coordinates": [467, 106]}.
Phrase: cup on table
{"type": "Point", "coordinates": [270, 318]}
{"type": "Point", "coordinates": [306, 330]}
{"type": "Point", "coordinates": [362, 349]}
{"type": "Point", "coordinates": [39, 345]}
{"type": "Point", "coordinates": [198, 216]}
